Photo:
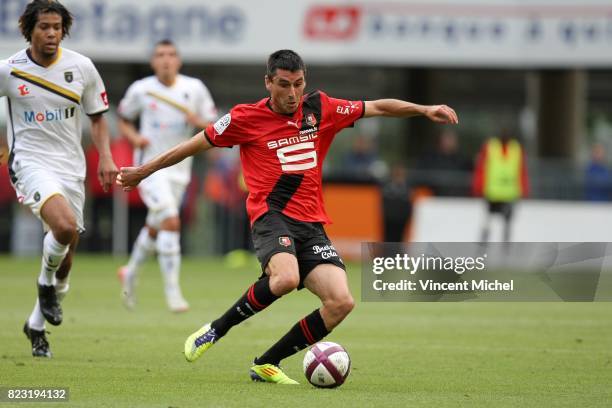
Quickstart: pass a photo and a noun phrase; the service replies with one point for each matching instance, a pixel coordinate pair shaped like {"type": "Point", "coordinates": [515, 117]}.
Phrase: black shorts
{"type": "Point", "coordinates": [503, 208]}
{"type": "Point", "coordinates": [274, 232]}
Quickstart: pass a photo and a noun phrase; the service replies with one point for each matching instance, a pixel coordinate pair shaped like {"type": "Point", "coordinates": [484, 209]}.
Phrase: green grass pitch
{"type": "Point", "coordinates": [404, 354]}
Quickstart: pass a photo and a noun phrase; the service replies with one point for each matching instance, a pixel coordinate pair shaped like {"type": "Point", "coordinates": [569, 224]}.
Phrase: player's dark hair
{"type": "Point", "coordinates": [165, 41]}
{"type": "Point", "coordinates": [29, 18]}
{"type": "Point", "coordinates": [284, 59]}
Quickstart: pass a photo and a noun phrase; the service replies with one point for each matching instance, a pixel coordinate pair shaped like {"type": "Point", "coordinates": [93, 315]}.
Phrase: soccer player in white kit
{"type": "Point", "coordinates": [48, 89]}
{"type": "Point", "coordinates": [170, 106]}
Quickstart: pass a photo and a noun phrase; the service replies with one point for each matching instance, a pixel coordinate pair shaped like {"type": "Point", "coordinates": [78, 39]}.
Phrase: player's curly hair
{"type": "Point", "coordinates": [29, 18]}
{"type": "Point", "coordinates": [284, 59]}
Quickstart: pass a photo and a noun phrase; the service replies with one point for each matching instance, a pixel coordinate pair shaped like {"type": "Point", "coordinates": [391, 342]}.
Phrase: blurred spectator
{"type": "Point", "coordinates": [501, 178]}
{"type": "Point", "coordinates": [598, 179]}
{"type": "Point", "coordinates": [445, 170]}
{"type": "Point", "coordinates": [396, 204]}
{"type": "Point", "coordinates": [361, 162]}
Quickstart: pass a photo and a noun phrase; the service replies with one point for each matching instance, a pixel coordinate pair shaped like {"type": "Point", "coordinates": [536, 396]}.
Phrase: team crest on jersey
{"type": "Point", "coordinates": [222, 124]}
{"type": "Point", "coordinates": [311, 119]}
{"type": "Point", "coordinates": [68, 76]}
{"type": "Point", "coordinates": [37, 196]}
{"type": "Point", "coordinates": [284, 241]}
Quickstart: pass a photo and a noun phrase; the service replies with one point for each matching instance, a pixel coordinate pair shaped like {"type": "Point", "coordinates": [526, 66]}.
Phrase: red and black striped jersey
{"type": "Point", "coordinates": [282, 155]}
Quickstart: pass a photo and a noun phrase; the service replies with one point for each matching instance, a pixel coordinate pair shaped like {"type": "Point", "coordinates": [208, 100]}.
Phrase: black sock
{"type": "Point", "coordinates": [307, 331]}
{"type": "Point", "coordinates": [255, 299]}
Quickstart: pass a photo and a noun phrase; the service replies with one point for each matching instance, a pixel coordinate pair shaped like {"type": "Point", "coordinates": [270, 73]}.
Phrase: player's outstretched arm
{"type": "Point", "coordinates": [402, 109]}
{"type": "Point", "coordinates": [107, 171]}
{"type": "Point", "coordinates": [129, 177]}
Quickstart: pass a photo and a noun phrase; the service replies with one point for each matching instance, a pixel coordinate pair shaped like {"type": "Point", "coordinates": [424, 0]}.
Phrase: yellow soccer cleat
{"type": "Point", "coordinates": [199, 342]}
{"type": "Point", "coordinates": [270, 373]}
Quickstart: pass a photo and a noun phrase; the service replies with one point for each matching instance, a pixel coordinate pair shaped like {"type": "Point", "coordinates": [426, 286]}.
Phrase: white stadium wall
{"type": "Point", "coordinates": [504, 33]}
{"type": "Point", "coordinates": [461, 220]}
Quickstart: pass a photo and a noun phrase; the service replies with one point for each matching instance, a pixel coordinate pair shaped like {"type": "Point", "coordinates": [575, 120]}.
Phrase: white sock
{"type": "Point", "coordinates": [169, 257]}
{"type": "Point", "coordinates": [53, 255]}
{"type": "Point", "coordinates": [36, 320]}
{"type": "Point", "coordinates": [143, 247]}
{"type": "Point", "coordinates": [61, 288]}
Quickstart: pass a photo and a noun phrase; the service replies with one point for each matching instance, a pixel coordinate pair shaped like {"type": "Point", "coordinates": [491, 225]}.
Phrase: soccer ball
{"type": "Point", "coordinates": [326, 365]}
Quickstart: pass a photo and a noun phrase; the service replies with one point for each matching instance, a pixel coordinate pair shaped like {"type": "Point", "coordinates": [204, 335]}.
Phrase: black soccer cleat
{"type": "Point", "coordinates": [40, 345]}
{"type": "Point", "coordinates": [49, 306]}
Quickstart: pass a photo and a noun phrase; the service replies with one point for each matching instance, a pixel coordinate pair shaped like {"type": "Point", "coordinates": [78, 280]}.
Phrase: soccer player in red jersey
{"type": "Point", "coordinates": [283, 141]}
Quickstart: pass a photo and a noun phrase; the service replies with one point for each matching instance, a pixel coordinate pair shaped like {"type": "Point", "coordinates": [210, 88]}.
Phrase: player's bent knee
{"type": "Point", "coordinates": [292, 281]}
{"type": "Point", "coordinates": [284, 282]}
{"type": "Point", "coordinates": [345, 305]}
{"type": "Point", "coordinates": [284, 273]}
{"type": "Point", "coordinates": [65, 230]}
{"type": "Point", "coordinates": [340, 307]}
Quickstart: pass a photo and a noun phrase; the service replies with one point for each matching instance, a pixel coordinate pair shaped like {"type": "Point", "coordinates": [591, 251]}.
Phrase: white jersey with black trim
{"type": "Point", "coordinates": [162, 111]}
{"type": "Point", "coordinates": [45, 109]}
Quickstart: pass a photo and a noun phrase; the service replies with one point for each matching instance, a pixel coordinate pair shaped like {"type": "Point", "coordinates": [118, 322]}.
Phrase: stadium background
{"type": "Point", "coordinates": [541, 69]}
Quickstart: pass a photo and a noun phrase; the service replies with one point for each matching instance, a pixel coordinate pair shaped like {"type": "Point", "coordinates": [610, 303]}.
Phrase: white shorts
{"type": "Point", "coordinates": [162, 196]}
{"type": "Point", "coordinates": [35, 186]}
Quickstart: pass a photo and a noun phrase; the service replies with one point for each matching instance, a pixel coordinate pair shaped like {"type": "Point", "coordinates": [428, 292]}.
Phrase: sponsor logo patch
{"type": "Point", "coordinates": [326, 251]}
{"type": "Point", "coordinates": [288, 141]}
{"type": "Point", "coordinates": [104, 97]}
{"type": "Point", "coordinates": [347, 109]}
{"type": "Point", "coordinates": [23, 90]}
{"type": "Point", "coordinates": [333, 22]}
{"type": "Point", "coordinates": [222, 123]}
{"type": "Point", "coordinates": [49, 115]}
